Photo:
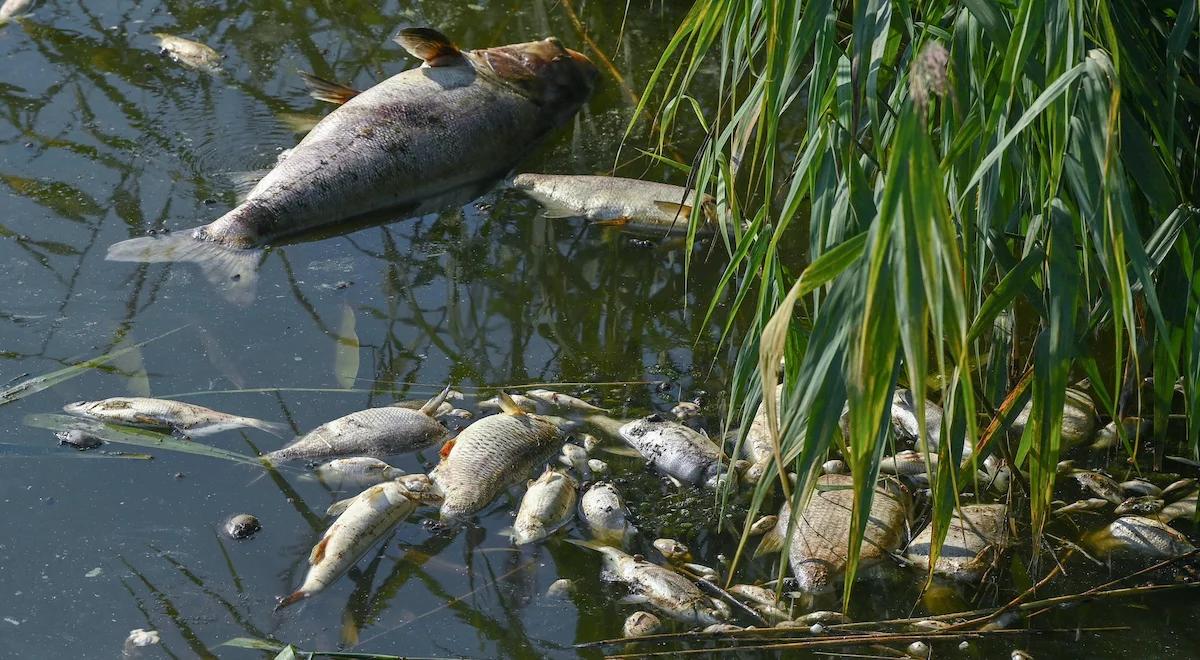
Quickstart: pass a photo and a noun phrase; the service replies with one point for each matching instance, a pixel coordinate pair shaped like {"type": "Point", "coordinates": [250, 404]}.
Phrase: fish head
{"type": "Point", "coordinates": [556, 77]}
{"type": "Point", "coordinates": [77, 407]}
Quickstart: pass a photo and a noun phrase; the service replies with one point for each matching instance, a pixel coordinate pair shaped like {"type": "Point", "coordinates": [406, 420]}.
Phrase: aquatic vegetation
{"type": "Point", "coordinates": [995, 201]}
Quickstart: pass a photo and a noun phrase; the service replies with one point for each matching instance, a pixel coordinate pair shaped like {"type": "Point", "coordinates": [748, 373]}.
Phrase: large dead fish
{"type": "Point", "coordinates": [821, 538]}
{"type": "Point", "coordinates": [628, 203]}
{"type": "Point", "coordinates": [186, 418]}
{"type": "Point", "coordinates": [604, 516]}
{"type": "Point", "coordinates": [675, 450]}
{"type": "Point", "coordinates": [977, 533]}
{"type": "Point", "coordinates": [366, 519]}
{"type": "Point", "coordinates": [490, 455]}
{"type": "Point", "coordinates": [374, 432]}
{"type": "Point", "coordinates": [463, 118]}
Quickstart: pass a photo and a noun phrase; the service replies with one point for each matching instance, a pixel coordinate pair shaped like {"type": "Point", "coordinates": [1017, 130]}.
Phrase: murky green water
{"type": "Point", "coordinates": [101, 139]}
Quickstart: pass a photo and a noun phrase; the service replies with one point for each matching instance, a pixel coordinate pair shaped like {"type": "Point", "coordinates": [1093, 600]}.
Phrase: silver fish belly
{"type": "Point", "coordinates": [166, 414]}
{"type": "Point", "coordinates": [548, 504]}
{"type": "Point", "coordinates": [675, 450]}
{"type": "Point", "coordinates": [604, 516]}
{"type": "Point", "coordinates": [632, 203]}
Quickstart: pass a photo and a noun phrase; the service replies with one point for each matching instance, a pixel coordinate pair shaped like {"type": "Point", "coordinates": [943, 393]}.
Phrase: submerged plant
{"type": "Point", "coordinates": [995, 201]}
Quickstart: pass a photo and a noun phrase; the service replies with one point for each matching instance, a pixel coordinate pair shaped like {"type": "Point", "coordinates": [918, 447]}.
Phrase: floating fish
{"type": "Point", "coordinates": [664, 590]}
{"type": "Point", "coordinates": [546, 402]}
{"type": "Point", "coordinates": [548, 504]}
{"type": "Point", "coordinates": [1141, 536]}
{"type": "Point", "coordinates": [761, 599]}
{"type": "Point", "coordinates": [758, 446]}
{"type": "Point", "coordinates": [177, 416]}
{"type": "Point", "coordinates": [356, 471]}
{"type": "Point", "coordinates": [1099, 484]}
{"type": "Point", "coordinates": [575, 457]}
{"type": "Point", "coordinates": [14, 9]}
{"type": "Point", "coordinates": [673, 551]}
{"type": "Point", "coordinates": [490, 455]}
{"type": "Point", "coordinates": [640, 624]}
{"type": "Point", "coordinates": [603, 514]}
{"type": "Point", "coordinates": [373, 432]}
{"type": "Point", "coordinates": [367, 519]}
{"type": "Point", "coordinates": [560, 589]}
{"type": "Point", "coordinates": [1078, 421]}
{"type": "Point", "coordinates": [81, 440]}
{"type": "Point", "coordinates": [976, 536]}
{"type": "Point", "coordinates": [675, 450]}
{"type": "Point", "coordinates": [628, 203]}
{"type": "Point", "coordinates": [189, 53]}
{"type": "Point", "coordinates": [1142, 505]}
{"type": "Point", "coordinates": [458, 122]}
{"type": "Point", "coordinates": [1089, 504]}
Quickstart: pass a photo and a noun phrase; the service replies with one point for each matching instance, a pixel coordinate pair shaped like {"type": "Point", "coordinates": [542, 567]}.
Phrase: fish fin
{"type": "Point", "coordinates": [298, 122]}
{"type": "Point", "coordinates": [294, 598]}
{"type": "Point", "coordinates": [233, 271]}
{"type": "Point", "coordinates": [277, 429]}
{"type": "Point", "coordinates": [613, 222]}
{"type": "Point", "coordinates": [318, 551]}
{"type": "Point", "coordinates": [683, 211]}
{"type": "Point", "coordinates": [429, 45]}
{"type": "Point", "coordinates": [445, 450]}
{"type": "Point", "coordinates": [617, 450]}
{"type": "Point", "coordinates": [433, 404]}
{"type": "Point", "coordinates": [590, 545]}
{"type": "Point", "coordinates": [327, 90]}
{"type": "Point", "coordinates": [632, 599]}
{"type": "Point", "coordinates": [510, 532]}
{"type": "Point", "coordinates": [243, 183]}
{"type": "Point", "coordinates": [339, 507]}
{"type": "Point", "coordinates": [555, 212]}
{"type": "Point", "coordinates": [771, 542]}
{"type": "Point", "coordinates": [509, 406]}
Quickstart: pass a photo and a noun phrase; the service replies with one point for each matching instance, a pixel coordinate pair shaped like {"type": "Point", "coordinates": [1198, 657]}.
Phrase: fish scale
{"type": "Point", "coordinates": [489, 456]}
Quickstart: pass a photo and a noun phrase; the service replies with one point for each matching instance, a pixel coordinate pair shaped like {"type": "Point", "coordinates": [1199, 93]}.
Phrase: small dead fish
{"type": "Point", "coordinates": [628, 203]}
{"type": "Point", "coordinates": [823, 617]}
{"type": "Point", "coordinates": [1132, 427]}
{"type": "Point", "coordinates": [189, 53]}
{"type": "Point", "coordinates": [242, 526]}
{"type": "Point", "coordinates": [719, 628]}
{"type": "Point", "coordinates": [660, 588]}
{"type": "Point", "coordinates": [1078, 417]}
{"type": "Point", "coordinates": [560, 589]}
{"type": "Point", "coordinates": [589, 441]}
{"type": "Point", "coordinates": [597, 466]}
{"type": "Point", "coordinates": [700, 570]}
{"type": "Point", "coordinates": [186, 418]}
{"type": "Point", "coordinates": [13, 9]}
{"type": "Point", "coordinates": [356, 471]}
{"type": "Point", "coordinates": [1143, 505]}
{"type": "Point", "coordinates": [490, 455]}
{"type": "Point", "coordinates": [834, 467]}
{"type": "Point", "coordinates": [1141, 536]}
{"type": "Point", "coordinates": [675, 450]}
{"type": "Point", "coordinates": [604, 516]}
{"type": "Point", "coordinates": [758, 446]}
{"type": "Point", "coordinates": [1089, 504]}
{"type": "Point", "coordinates": [763, 525]}
{"type": "Point", "coordinates": [640, 624]}
{"type": "Point", "coordinates": [576, 458]}
{"type": "Point", "coordinates": [546, 402]}
{"type": "Point", "coordinates": [369, 516]}
{"type": "Point", "coordinates": [373, 432]}
{"type": "Point", "coordinates": [1099, 484]}
{"type": "Point", "coordinates": [547, 505]}
{"type": "Point", "coordinates": [1178, 489]}
{"type": "Point", "coordinates": [1181, 508]}
{"type": "Point", "coordinates": [976, 535]}
{"type": "Point", "coordinates": [673, 551]}
{"type": "Point", "coordinates": [908, 463]}
{"type": "Point", "coordinates": [762, 600]}
{"type": "Point", "coordinates": [81, 440]}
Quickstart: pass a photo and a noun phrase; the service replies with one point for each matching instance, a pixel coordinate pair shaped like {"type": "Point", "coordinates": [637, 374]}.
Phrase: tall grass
{"type": "Point", "coordinates": [996, 200]}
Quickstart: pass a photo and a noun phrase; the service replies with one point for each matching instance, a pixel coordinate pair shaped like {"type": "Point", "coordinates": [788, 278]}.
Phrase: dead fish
{"type": "Point", "coordinates": [597, 466]}
{"type": "Point", "coordinates": [1180, 508]}
{"type": "Point", "coordinates": [560, 589]}
{"type": "Point", "coordinates": [763, 525]}
{"type": "Point", "coordinates": [908, 463]}
{"type": "Point", "coordinates": [640, 624]}
{"type": "Point", "coordinates": [1132, 427]}
{"type": "Point", "coordinates": [1089, 504]}
{"type": "Point", "coordinates": [628, 203]}
{"type": "Point", "coordinates": [673, 551]}
{"type": "Point", "coordinates": [1141, 536]}
{"type": "Point", "coordinates": [906, 425]}
{"type": "Point", "coordinates": [490, 455]}
{"type": "Point", "coordinates": [675, 450]}
{"type": "Point", "coordinates": [546, 402]}
{"type": "Point", "coordinates": [1099, 484]}
{"type": "Point", "coordinates": [189, 53]}
{"type": "Point", "coordinates": [685, 410]}
{"type": "Point", "coordinates": [824, 618]}
{"type": "Point", "coordinates": [603, 514]}
{"type": "Point", "coordinates": [758, 446]}
{"type": "Point", "coordinates": [356, 471]}
{"type": "Point", "coordinates": [372, 432]}
{"type": "Point", "coordinates": [834, 467]}
{"type": "Point", "coordinates": [589, 441]}
{"type": "Point", "coordinates": [773, 537]}
{"type": "Point", "coordinates": [548, 504]}
{"type": "Point", "coordinates": [974, 539]}
{"type": "Point", "coordinates": [13, 9]}
{"type": "Point", "coordinates": [81, 440]}
{"type": "Point", "coordinates": [761, 600]}
{"type": "Point", "coordinates": [721, 628]}
{"type": "Point", "coordinates": [1144, 505]}
{"type": "Point", "coordinates": [1178, 489]}
{"type": "Point", "coordinates": [820, 543]}
{"type": "Point", "coordinates": [242, 526]}
{"type": "Point", "coordinates": [462, 119]}
{"type": "Point", "coordinates": [1078, 420]}
{"type": "Point", "coordinates": [369, 516]}
{"type": "Point", "coordinates": [651, 584]}
{"type": "Point", "coordinates": [178, 416]}
{"type": "Point", "coordinates": [575, 457]}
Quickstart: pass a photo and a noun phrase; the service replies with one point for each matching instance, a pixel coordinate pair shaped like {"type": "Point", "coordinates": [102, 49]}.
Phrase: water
{"type": "Point", "coordinates": [101, 139]}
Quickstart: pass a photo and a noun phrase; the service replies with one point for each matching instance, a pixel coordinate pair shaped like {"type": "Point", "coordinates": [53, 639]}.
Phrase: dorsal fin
{"type": "Point", "coordinates": [509, 406]}
{"type": "Point", "coordinates": [429, 45]}
{"type": "Point", "coordinates": [327, 90]}
{"type": "Point", "coordinates": [433, 404]}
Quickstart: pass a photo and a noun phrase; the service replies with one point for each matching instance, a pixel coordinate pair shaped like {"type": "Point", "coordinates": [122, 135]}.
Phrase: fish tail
{"type": "Point", "coordinates": [295, 597]}
{"type": "Point", "coordinates": [277, 429]}
{"type": "Point", "coordinates": [233, 271]}
{"type": "Point", "coordinates": [433, 404]}
{"type": "Point", "coordinates": [590, 545]}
